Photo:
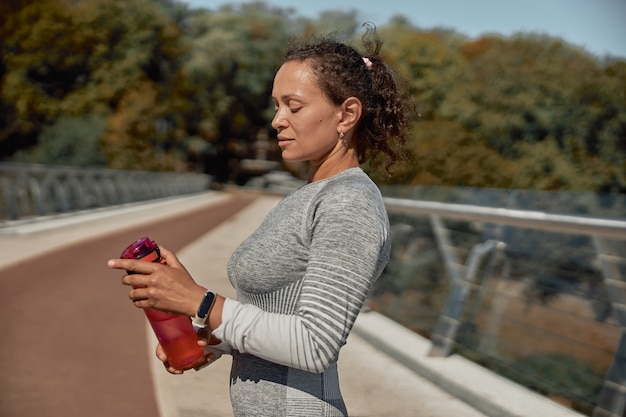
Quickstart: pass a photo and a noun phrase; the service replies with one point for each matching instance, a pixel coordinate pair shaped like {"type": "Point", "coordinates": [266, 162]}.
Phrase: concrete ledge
{"type": "Point", "coordinates": [152, 208]}
{"type": "Point", "coordinates": [484, 390]}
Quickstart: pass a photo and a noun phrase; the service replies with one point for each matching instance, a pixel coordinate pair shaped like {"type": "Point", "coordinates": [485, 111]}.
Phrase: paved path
{"type": "Point", "coordinates": [73, 345]}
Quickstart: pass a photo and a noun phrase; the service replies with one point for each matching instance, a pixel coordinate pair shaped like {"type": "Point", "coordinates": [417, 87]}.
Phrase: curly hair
{"type": "Point", "coordinates": [342, 72]}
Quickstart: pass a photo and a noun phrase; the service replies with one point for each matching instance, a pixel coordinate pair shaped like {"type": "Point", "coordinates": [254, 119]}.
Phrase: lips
{"type": "Point", "coordinates": [282, 141]}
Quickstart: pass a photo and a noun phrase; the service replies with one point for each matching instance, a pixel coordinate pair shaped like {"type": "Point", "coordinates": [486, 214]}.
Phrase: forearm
{"type": "Point", "coordinates": [214, 320]}
{"type": "Point", "coordinates": [280, 338]}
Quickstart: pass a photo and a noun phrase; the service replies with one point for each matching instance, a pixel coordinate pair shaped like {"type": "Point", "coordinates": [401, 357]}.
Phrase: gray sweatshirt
{"type": "Point", "coordinates": [301, 279]}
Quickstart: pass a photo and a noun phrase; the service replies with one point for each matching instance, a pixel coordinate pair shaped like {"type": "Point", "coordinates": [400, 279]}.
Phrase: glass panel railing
{"type": "Point", "coordinates": [30, 190]}
{"type": "Point", "coordinates": [537, 306]}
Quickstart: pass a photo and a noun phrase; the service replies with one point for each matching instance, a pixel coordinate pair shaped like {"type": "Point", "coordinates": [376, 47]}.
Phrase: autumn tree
{"type": "Point", "coordinates": [528, 94]}
{"type": "Point", "coordinates": [225, 80]}
{"type": "Point", "coordinates": [78, 59]}
{"type": "Point", "coordinates": [165, 87]}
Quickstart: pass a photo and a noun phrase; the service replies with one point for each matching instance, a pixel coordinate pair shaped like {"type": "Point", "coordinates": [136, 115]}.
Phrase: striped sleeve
{"type": "Point", "coordinates": [349, 246]}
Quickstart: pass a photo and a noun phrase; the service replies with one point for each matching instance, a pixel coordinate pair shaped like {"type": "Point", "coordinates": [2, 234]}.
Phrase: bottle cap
{"type": "Point", "coordinates": [139, 249]}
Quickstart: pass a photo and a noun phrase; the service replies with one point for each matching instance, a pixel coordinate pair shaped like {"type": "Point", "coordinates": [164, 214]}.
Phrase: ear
{"type": "Point", "coordinates": [351, 114]}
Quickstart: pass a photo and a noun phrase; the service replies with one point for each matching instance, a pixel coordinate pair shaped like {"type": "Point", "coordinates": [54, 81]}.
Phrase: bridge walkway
{"type": "Point", "coordinates": [73, 345]}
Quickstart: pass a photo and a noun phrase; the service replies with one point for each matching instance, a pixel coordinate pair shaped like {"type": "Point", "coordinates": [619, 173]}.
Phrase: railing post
{"type": "Point", "coordinates": [10, 198]}
{"type": "Point", "coordinates": [452, 263]}
{"type": "Point", "coordinates": [612, 399]}
{"type": "Point", "coordinates": [447, 327]}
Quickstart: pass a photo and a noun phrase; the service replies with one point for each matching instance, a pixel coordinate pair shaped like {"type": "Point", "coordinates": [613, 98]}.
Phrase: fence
{"type": "Point", "coordinates": [530, 285]}
{"type": "Point", "coordinates": [36, 190]}
{"type": "Point", "coordinates": [534, 295]}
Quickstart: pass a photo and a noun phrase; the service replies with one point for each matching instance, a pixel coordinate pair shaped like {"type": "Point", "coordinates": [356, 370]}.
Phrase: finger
{"type": "Point", "coordinates": [137, 280]}
{"type": "Point", "coordinates": [203, 336]}
{"type": "Point", "coordinates": [170, 258]}
{"type": "Point", "coordinates": [132, 265]}
{"type": "Point", "coordinates": [173, 371]}
{"type": "Point", "coordinates": [160, 354]}
{"type": "Point", "coordinates": [137, 295]}
{"type": "Point", "coordinates": [208, 359]}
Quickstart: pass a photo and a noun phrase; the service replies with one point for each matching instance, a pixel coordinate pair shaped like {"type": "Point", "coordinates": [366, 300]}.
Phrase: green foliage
{"type": "Point", "coordinates": [229, 72]}
{"type": "Point", "coordinates": [531, 95]}
{"type": "Point", "coordinates": [450, 154]}
{"type": "Point", "coordinates": [426, 60]}
{"type": "Point", "coordinates": [527, 111]}
{"type": "Point", "coordinates": [224, 81]}
{"type": "Point", "coordinates": [70, 141]}
{"type": "Point", "coordinates": [71, 59]}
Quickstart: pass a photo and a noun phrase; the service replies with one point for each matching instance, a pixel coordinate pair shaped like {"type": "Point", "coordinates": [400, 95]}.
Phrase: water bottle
{"type": "Point", "coordinates": [174, 331]}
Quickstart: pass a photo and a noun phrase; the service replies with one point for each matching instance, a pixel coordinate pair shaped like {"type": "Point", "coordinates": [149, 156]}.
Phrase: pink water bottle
{"type": "Point", "coordinates": [174, 331]}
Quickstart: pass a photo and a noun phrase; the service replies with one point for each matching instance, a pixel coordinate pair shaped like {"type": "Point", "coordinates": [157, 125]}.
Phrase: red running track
{"type": "Point", "coordinates": [71, 343]}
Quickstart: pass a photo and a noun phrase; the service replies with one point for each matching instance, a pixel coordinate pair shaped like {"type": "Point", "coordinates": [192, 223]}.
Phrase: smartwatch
{"type": "Point", "coordinates": [205, 308]}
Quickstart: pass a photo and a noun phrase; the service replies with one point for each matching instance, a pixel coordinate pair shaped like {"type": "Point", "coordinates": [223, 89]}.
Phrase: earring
{"type": "Point", "coordinates": [341, 135]}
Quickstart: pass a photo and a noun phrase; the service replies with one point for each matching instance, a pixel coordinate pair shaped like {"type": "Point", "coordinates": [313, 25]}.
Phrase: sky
{"type": "Point", "coordinates": [598, 26]}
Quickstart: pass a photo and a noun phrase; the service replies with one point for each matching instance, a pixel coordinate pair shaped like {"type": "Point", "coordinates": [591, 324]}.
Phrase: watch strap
{"type": "Point", "coordinates": [204, 309]}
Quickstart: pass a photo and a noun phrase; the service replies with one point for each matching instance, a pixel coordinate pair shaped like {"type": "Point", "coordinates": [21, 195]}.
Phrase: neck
{"type": "Point", "coordinates": [339, 160]}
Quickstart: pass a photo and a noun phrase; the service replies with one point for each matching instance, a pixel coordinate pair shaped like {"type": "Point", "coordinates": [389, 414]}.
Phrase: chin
{"type": "Point", "coordinates": [291, 158]}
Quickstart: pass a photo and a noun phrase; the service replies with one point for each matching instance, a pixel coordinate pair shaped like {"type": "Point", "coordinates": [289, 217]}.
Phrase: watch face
{"type": "Point", "coordinates": [206, 304]}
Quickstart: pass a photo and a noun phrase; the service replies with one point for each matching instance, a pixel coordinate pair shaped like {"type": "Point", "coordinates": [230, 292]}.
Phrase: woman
{"type": "Point", "coordinates": [303, 276]}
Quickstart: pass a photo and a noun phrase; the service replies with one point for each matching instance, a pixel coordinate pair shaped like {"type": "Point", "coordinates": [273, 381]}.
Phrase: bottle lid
{"type": "Point", "coordinates": [139, 249]}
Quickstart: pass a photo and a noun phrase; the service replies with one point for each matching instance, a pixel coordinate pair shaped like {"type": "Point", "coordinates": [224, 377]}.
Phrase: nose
{"type": "Point", "coordinates": [279, 122]}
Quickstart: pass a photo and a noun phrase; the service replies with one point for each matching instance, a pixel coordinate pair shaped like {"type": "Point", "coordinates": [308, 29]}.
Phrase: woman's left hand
{"type": "Point", "coordinates": [168, 288]}
{"type": "Point", "coordinates": [207, 359]}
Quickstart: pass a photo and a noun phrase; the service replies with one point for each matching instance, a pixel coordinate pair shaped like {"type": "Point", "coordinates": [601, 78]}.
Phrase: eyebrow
{"type": "Point", "coordinates": [287, 97]}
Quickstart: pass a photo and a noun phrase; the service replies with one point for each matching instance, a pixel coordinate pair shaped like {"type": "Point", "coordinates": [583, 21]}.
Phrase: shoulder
{"type": "Point", "coordinates": [350, 196]}
{"type": "Point", "coordinates": [350, 208]}
{"type": "Point", "coordinates": [352, 186]}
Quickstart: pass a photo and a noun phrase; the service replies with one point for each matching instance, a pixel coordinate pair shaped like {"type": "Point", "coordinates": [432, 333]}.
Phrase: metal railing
{"type": "Point", "coordinates": [29, 190]}
{"type": "Point", "coordinates": [535, 296]}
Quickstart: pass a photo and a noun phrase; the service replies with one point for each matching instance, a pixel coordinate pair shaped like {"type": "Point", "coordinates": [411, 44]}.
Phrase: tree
{"type": "Point", "coordinates": [498, 99]}
{"type": "Point", "coordinates": [447, 154]}
{"type": "Point", "coordinates": [189, 89]}
{"type": "Point", "coordinates": [224, 84]}
{"type": "Point", "coordinates": [70, 141]}
{"type": "Point", "coordinates": [531, 89]}
{"type": "Point", "coordinates": [544, 166]}
{"type": "Point", "coordinates": [427, 60]}
{"type": "Point", "coordinates": [69, 59]}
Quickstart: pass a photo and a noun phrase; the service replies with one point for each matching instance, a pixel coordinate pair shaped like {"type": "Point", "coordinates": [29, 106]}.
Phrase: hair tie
{"type": "Point", "coordinates": [368, 63]}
